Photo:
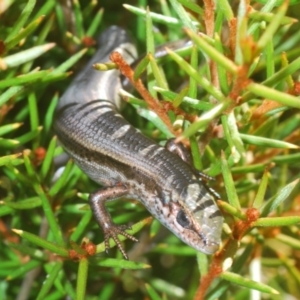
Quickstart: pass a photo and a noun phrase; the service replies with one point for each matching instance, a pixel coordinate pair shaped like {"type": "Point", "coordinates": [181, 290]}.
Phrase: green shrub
{"type": "Point", "coordinates": [239, 97]}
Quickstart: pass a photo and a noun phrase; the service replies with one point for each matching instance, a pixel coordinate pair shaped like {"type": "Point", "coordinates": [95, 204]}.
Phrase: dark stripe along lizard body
{"type": "Point", "coordinates": [127, 163]}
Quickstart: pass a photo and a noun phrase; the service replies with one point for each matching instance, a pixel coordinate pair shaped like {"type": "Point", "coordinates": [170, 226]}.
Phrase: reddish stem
{"type": "Point", "coordinates": [153, 103]}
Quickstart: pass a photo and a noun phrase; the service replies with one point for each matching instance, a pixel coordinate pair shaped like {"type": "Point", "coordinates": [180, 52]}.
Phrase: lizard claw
{"type": "Point", "coordinates": [113, 233]}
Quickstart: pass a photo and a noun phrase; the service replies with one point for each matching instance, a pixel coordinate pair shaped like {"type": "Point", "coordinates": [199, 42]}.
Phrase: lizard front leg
{"type": "Point", "coordinates": [102, 216]}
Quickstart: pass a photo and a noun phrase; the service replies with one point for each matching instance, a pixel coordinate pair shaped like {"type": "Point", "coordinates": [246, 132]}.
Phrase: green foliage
{"type": "Point", "coordinates": [241, 87]}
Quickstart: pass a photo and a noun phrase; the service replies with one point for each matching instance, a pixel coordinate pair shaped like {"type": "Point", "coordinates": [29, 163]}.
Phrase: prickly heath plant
{"type": "Point", "coordinates": [231, 96]}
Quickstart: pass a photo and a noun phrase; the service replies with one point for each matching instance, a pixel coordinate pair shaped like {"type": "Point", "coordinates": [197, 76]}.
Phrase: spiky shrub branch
{"type": "Point", "coordinates": [238, 112]}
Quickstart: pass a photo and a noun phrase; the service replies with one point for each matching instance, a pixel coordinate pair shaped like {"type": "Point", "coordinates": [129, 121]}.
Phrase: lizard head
{"type": "Point", "coordinates": [195, 218]}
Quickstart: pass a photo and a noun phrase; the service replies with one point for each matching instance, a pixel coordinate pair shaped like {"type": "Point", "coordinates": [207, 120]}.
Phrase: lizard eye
{"type": "Point", "coordinates": [182, 219]}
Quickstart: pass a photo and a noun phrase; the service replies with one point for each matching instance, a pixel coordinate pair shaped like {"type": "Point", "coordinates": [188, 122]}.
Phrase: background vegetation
{"type": "Point", "coordinates": [239, 88]}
